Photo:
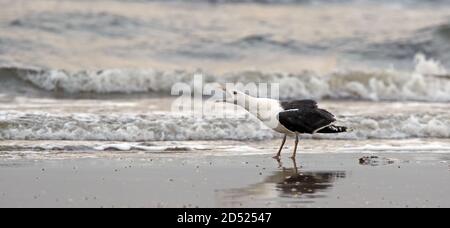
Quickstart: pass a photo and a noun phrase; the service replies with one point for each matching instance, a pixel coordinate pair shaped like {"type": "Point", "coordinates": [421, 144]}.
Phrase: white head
{"type": "Point", "coordinates": [263, 108]}
{"type": "Point", "coordinates": [236, 97]}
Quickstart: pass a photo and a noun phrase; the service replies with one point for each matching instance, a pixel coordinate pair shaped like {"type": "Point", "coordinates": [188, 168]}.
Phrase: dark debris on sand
{"type": "Point", "coordinates": [375, 161]}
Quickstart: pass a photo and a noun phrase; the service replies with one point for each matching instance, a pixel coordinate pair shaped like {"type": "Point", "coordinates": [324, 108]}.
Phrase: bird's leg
{"type": "Point", "coordinates": [281, 148]}
{"type": "Point", "coordinates": [295, 147]}
{"type": "Point", "coordinates": [280, 165]}
{"type": "Point", "coordinates": [295, 165]}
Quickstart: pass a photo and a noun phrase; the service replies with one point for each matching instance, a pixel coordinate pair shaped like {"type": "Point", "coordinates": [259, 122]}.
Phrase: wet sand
{"type": "Point", "coordinates": [86, 117]}
{"type": "Point", "coordinates": [181, 179]}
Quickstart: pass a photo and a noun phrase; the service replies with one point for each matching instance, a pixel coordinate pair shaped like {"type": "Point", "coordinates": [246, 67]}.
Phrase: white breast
{"type": "Point", "coordinates": [281, 129]}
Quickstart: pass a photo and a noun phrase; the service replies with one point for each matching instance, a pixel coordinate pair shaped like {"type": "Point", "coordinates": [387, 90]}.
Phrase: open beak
{"type": "Point", "coordinates": [221, 87]}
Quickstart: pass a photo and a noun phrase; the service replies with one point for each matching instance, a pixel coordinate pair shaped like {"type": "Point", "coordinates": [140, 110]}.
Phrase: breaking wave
{"type": "Point", "coordinates": [428, 82]}
{"type": "Point", "coordinates": [169, 126]}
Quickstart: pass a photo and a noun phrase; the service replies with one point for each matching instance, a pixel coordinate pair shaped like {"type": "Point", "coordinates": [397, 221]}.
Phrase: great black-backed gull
{"type": "Point", "coordinates": [290, 118]}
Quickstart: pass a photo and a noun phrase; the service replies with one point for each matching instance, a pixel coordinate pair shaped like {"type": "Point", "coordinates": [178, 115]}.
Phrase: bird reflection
{"type": "Point", "coordinates": [285, 185]}
{"type": "Point", "coordinates": [291, 181]}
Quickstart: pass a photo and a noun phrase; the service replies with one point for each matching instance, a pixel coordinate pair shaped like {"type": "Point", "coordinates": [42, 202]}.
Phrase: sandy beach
{"type": "Point", "coordinates": [222, 178]}
{"type": "Point", "coordinates": [120, 103]}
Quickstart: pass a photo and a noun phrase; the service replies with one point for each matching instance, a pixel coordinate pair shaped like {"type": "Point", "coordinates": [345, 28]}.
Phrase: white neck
{"type": "Point", "coordinates": [262, 108]}
{"type": "Point", "coordinates": [247, 102]}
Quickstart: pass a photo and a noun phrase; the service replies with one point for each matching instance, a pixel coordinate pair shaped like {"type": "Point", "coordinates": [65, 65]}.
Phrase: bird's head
{"type": "Point", "coordinates": [230, 95]}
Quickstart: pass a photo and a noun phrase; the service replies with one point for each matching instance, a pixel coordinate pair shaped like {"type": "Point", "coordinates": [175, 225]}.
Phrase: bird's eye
{"type": "Point", "coordinates": [234, 92]}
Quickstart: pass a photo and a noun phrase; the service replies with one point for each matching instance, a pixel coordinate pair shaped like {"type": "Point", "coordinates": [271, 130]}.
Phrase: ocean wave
{"type": "Point", "coordinates": [169, 126]}
{"type": "Point", "coordinates": [428, 82]}
{"type": "Point", "coordinates": [432, 41]}
{"type": "Point", "coordinates": [101, 23]}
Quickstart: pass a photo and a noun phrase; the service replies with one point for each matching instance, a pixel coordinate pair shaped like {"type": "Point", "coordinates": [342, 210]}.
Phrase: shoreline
{"type": "Point", "coordinates": [386, 179]}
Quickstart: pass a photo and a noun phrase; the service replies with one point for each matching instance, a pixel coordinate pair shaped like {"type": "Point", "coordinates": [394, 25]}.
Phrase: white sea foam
{"type": "Point", "coordinates": [423, 84]}
{"type": "Point", "coordinates": [167, 126]}
{"type": "Point", "coordinates": [432, 147]}
{"type": "Point", "coordinates": [426, 66]}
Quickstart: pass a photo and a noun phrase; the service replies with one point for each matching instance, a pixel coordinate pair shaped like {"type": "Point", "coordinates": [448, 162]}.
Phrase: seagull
{"type": "Point", "coordinates": [289, 118]}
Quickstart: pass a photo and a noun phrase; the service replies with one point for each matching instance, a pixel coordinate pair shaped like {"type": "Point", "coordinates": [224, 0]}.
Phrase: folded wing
{"type": "Point", "coordinates": [306, 120]}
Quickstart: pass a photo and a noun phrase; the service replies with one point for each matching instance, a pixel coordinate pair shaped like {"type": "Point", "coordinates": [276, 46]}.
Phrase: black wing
{"type": "Point", "coordinates": [306, 120]}
{"type": "Point", "coordinates": [298, 104]}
